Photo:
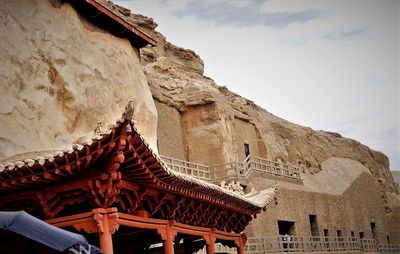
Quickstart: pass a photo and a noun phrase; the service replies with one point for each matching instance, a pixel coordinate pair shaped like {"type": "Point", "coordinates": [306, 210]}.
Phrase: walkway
{"type": "Point", "coordinates": [261, 245]}
{"type": "Point", "coordinates": [233, 170]}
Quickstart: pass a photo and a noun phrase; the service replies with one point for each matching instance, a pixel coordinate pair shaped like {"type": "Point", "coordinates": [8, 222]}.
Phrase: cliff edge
{"type": "Point", "coordinates": [175, 76]}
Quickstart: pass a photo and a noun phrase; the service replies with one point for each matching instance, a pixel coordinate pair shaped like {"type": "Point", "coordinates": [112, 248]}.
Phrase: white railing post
{"type": "Point", "coordinates": [264, 244]}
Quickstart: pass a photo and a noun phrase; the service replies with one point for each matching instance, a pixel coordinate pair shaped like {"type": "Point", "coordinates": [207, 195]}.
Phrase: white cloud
{"type": "Point", "coordinates": [294, 5]}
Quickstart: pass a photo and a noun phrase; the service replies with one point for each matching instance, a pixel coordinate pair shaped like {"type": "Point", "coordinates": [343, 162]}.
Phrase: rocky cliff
{"type": "Point", "coordinates": [396, 176]}
{"type": "Point", "coordinates": [56, 85]}
{"type": "Point", "coordinates": [175, 76]}
{"type": "Point", "coordinates": [60, 75]}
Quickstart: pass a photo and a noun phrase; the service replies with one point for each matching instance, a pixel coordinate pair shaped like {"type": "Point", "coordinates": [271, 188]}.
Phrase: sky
{"type": "Point", "coordinates": [328, 65]}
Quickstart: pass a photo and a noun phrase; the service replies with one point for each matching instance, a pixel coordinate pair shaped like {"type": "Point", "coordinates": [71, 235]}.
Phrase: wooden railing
{"type": "Point", "coordinates": [389, 248]}
{"type": "Point", "coordinates": [275, 168]}
{"type": "Point", "coordinates": [281, 244]}
{"type": "Point", "coordinates": [194, 169]}
{"type": "Point", "coordinates": [219, 248]}
{"type": "Point", "coordinates": [301, 244]}
{"type": "Point", "coordinates": [259, 245]}
{"type": "Point", "coordinates": [233, 170]}
{"type": "Point", "coordinates": [369, 245]}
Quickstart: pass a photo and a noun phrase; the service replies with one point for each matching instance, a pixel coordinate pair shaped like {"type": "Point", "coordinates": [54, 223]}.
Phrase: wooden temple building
{"type": "Point", "coordinates": [115, 186]}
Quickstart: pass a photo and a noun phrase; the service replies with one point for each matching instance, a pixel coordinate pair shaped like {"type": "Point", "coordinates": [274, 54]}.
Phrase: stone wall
{"type": "Point", "coordinates": [393, 225]}
{"type": "Point", "coordinates": [245, 133]}
{"type": "Point", "coordinates": [337, 195]}
{"type": "Point", "coordinates": [354, 210]}
{"type": "Point", "coordinates": [208, 134]}
{"type": "Point", "coordinates": [170, 125]}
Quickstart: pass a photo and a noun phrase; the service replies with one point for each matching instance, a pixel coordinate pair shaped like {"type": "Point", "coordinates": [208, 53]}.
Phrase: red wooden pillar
{"type": "Point", "coordinates": [211, 243]}
{"type": "Point", "coordinates": [211, 248]}
{"type": "Point", "coordinates": [240, 248]}
{"type": "Point", "coordinates": [106, 244]}
{"type": "Point", "coordinates": [241, 243]}
{"type": "Point", "coordinates": [169, 241]}
{"type": "Point", "coordinates": [107, 223]}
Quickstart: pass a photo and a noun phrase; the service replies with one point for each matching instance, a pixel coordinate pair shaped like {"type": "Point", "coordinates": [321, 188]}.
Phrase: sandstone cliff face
{"type": "Point", "coordinates": [59, 75]}
{"type": "Point", "coordinates": [208, 111]}
{"type": "Point", "coordinates": [396, 176]}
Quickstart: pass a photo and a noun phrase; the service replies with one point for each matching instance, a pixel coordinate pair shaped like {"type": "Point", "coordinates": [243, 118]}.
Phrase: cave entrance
{"type": "Point", "coordinates": [246, 150]}
{"type": "Point", "coordinates": [314, 225]}
{"type": "Point", "coordinates": [286, 227]}
{"type": "Point", "coordinates": [373, 230]}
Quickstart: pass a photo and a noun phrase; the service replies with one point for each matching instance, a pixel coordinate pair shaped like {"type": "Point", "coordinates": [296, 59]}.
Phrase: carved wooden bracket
{"type": "Point", "coordinates": [43, 198]}
{"type": "Point", "coordinates": [101, 217]}
{"type": "Point", "coordinates": [88, 226]}
{"type": "Point", "coordinates": [113, 222]}
{"type": "Point", "coordinates": [238, 242]}
{"type": "Point", "coordinates": [210, 238]}
{"type": "Point", "coordinates": [170, 226]}
{"type": "Point", "coordinates": [244, 238]}
{"type": "Point", "coordinates": [162, 232]}
{"type": "Point", "coordinates": [167, 233]}
{"type": "Point", "coordinates": [106, 189]}
{"type": "Point", "coordinates": [53, 202]}
{"type": "Point", "coordinates": [164, 235]}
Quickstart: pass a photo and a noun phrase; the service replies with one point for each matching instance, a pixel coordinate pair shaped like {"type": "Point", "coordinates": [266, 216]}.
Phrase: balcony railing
{"type": "Point", "coordinates": [389, 248]}
{"type": "Point", "coordinates": [219, 248]}
{"type": "Point", "coordinates": [233, 170]}
{"type": "Point", "coordinates": [281, 244]}
{"type": "Point", "coordinates": [258, 245]}
{"type": "Point", "coordinates": [302, 244]}
{"type": "Point", "coordinates": [194, 169]}
{"type": "Point", "coordinates": [271, 167]}
{"type": "Point", "coordinates": [369, 245]}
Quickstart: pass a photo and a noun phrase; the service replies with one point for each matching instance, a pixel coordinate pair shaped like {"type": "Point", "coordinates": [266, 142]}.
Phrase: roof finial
{"type": "Point", "coordinates": [129, 110]}
{"type": "Point", "coordinates": [99, 127]}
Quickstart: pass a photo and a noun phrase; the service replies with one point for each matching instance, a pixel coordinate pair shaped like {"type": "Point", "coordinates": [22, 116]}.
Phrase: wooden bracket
{"type": "Point", "coordinates": [105, 189]}
{"type": "Point", "coordinates": [44, 202]}
{"type": "Point", "coordinates": [98, 224]}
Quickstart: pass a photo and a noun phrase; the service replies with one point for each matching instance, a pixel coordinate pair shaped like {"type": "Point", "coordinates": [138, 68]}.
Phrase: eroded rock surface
{"type": "Point", "coordinates": [176, 79]}
{"type": "Point", "coordinates": [59, 75]}
{"type": "Point", "coordinates": [396, 176]}
{"type": "Point", "coordinates": [56, 85]}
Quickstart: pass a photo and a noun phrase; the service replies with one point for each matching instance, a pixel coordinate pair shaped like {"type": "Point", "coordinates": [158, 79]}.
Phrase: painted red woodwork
{"type": "Point", "coordinates": [122, 22]}
{"type": "Point", "coordinates": [119, 170]}
{"type": "Point", "coordinates": [106, 222]}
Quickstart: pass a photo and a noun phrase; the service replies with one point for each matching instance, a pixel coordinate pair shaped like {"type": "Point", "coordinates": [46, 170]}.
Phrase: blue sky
{"type": "Point", "coordinates": [330, 65]}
